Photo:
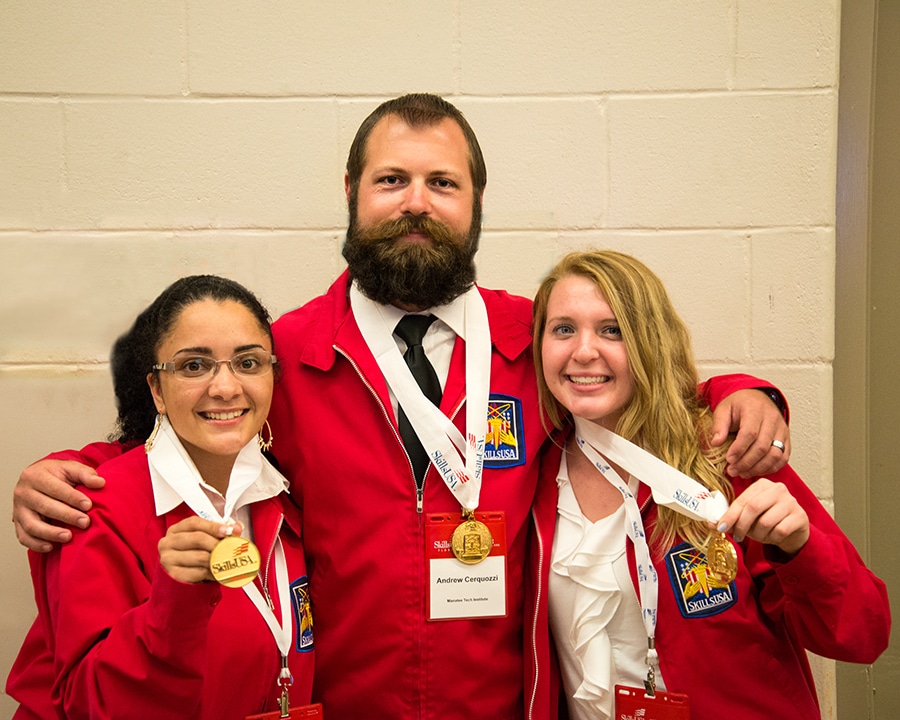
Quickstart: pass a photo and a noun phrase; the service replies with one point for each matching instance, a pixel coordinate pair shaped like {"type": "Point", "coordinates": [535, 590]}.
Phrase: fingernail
{"type": "Point", "coordinates": [85, 505]}
{"type": "Point", "coordinates": [82, 522]}
{"type": "Point", "coordinates": [739, 538]}
{"type": "Point", "coordinates": [229, 530]}
{"type": "Point", "coordinates": [721, 527]}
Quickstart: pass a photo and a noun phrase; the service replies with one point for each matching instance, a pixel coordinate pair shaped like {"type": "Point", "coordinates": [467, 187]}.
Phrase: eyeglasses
{"type": "Point", "coordinates": [251, 363]}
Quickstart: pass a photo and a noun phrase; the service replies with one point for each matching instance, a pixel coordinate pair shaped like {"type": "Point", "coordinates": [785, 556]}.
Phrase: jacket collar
{"type": "Point", "coordinates": [334, 325]}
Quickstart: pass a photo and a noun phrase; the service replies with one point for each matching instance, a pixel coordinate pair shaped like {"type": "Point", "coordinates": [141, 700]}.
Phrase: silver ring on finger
{"type": "Point", "coordinates": [778, 444]}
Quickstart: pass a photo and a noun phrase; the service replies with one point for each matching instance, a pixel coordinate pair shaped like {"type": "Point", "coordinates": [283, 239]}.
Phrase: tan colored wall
{"type": "Point", "coordinates": [143, 141]}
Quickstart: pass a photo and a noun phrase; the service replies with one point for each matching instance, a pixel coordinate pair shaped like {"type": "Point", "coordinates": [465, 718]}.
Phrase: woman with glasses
{"type": "Point", "coordinates": [186, 597]}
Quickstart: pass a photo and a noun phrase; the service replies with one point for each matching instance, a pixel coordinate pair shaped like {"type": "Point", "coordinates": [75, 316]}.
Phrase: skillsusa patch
{"type": "Point", "coordinates": [504, 445]}
{"type": "Point", "coordinates": [698, 594]}
{"type": "Point", "coordinates": [303, 620]}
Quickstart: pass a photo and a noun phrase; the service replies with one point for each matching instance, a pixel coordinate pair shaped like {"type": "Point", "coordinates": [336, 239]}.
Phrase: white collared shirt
{"type": "Point", "coordinates": [594, 611]}
{"type": "Point", "coordinates": [439, 339]}
{"type": "Point", "coordinates": [253, 478]}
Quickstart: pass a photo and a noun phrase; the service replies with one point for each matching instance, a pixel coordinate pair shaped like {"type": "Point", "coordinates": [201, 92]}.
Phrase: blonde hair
{"type": "Point", "coordinates": [666, 416]}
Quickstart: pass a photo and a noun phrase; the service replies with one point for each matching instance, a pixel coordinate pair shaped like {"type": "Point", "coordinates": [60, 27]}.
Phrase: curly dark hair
{"type": "Point", "coordinates": [134, 353]}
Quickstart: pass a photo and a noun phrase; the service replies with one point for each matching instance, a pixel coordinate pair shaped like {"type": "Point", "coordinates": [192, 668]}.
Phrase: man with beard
{"type": "Point", "coordinates": [404, 629]}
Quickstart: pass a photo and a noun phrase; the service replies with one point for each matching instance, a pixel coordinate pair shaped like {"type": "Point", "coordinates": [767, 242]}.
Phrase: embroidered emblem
{"type": "Point", "coordinates": [303, 621]}
{"type": "Point", "coordinates": [698, 594]}
{"type": "Point", "coordinates": [504, 444]}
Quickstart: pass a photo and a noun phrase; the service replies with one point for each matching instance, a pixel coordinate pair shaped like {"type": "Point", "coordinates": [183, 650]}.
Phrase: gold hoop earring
{"type": "Point", "coordinates": [148, 445]}
{"type": "Point", "coordinates": [265, 445]}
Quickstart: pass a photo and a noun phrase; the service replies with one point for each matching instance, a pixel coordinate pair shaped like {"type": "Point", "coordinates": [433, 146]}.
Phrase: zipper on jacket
{"type": "Point", "coordinates": [420, 491]}
{"type": "Point", "coordinates": [265, 580]}
{"type": "Point", "coordinates": [420, 501]}
{"type": "Point", "coordinates": [419, 486]}
{"type": "Point", "coordinates": [420, 483]}
{"type": "Point", "coordinates": [537, 604]}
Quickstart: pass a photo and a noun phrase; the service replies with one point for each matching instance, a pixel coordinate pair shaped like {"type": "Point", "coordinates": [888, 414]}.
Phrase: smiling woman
{"type": "Point", "coordinates": [584, 358]}
{"type": "Point", "coordinates": [193, 380]}
{"type": "Point", "coordinates": [214, 413]}
{"type": "Point", "coordinates": [637, 581]}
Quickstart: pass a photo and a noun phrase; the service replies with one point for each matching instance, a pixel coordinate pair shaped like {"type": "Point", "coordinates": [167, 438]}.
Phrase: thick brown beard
{"type": "Point", "coordinates": [421, 275]}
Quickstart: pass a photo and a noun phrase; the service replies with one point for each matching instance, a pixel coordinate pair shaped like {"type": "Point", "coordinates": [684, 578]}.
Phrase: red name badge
{"type": "Point", "coordinates": [636, 704]}
{"type": "Point", "coordinates": [472, 589]}
{"type": "Point", "coordinates": [296, 713]}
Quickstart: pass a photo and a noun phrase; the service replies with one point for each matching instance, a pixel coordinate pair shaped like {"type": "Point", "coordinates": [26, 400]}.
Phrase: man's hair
{"type": "Point", "coordinates": [416, 110]}
{"type": "Point", "coordinates": [665, 415]}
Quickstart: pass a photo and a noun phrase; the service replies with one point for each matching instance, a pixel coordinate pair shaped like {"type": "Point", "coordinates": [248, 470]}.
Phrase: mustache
{"type": "Point", "coordinates": [420, 274]}
{"type": "Point", "coordinates": [388, 230]}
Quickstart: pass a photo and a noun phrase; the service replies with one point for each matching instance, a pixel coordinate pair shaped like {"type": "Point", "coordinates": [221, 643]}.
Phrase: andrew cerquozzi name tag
{"type": "Point", "coordinates": [460, 590]}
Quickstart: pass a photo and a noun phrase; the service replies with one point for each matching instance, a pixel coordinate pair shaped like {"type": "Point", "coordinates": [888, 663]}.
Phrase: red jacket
{"type": "Point", "coordinates": [743, 658]}
{"type": "Point", "coordinates": [129, 641]}
{"type": "Point", "coordinates": [377, 655]}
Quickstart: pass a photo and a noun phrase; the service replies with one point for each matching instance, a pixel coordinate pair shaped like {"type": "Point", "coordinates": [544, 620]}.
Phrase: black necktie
{"type": "Point", "coordinates": [411, 329]}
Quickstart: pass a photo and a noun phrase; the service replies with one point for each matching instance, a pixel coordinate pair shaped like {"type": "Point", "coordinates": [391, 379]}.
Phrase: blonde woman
{"type": "Point", "coordinates": [703, 587]}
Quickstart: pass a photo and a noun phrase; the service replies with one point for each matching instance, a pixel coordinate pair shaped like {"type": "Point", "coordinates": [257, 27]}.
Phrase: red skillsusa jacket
{"type": "Point", "coordinates": [129, 641]}
{"type": "Point", "coordinates": [737, 652]}
{"type": "Point", "coordinates": [377, 655]}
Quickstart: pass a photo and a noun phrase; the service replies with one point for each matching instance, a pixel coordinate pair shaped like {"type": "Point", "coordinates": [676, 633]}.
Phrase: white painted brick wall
{"type": "Point", "coordinates": [143, 141]}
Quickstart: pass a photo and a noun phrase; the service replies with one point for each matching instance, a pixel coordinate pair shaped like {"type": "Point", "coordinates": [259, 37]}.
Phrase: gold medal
{"type": "Point", "coordinates": [721, 561]}
{"type": "Point", "coordinates": [234, 562]}
{"type": "Point", "coordinates": [471, 541]}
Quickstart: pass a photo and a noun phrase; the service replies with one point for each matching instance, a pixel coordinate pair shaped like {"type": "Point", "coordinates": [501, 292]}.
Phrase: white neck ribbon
{"type": "Point", "coordinates": [460, 461]}
{"type": "Point", "coordinates": [671, 488]}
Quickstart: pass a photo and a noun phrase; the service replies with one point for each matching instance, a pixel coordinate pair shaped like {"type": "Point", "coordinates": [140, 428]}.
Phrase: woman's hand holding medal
{"type": "Point", "coordinates": [768, 513]}
{"type": "Point", "coordinates": [185, 550]}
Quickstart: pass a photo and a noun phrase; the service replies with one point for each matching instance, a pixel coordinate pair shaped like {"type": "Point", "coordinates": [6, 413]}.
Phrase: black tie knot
{"type": "Point", "coordinates": [412, 328]}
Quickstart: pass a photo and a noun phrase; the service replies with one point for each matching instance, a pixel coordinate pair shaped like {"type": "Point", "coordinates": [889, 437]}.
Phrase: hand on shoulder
{"type": "Point", "coordinates": [46, 502]}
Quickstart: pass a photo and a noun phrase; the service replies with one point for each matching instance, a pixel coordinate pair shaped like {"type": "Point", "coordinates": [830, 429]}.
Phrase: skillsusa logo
{"type": "Point", "coordinates": [697, 592]}
{"type": "Point", "coordinates": [303, 621]}
{"type": "Point", "coordinates": [504, 444]}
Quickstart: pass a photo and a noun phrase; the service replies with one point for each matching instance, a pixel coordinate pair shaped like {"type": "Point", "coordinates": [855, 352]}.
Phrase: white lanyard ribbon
{"type": "Point", "coordinates": [460, 461]}
{"type": "Point", "coordinates": [648, 583]}
{"type": "Point", "coordinates": [670, 488]}
{"type": "Point", "coordinates": [282, 632]}
{"type": "Point", "coordinates": [174, 466]}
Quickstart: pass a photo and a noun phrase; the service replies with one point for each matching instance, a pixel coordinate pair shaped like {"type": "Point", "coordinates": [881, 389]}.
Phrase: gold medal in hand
{"type": "Point", "coordinates": [471, 541]}
{"type": "Point", "coordinates": [721, 561]}
{"type": "Point", "coordinates": [234, 562]}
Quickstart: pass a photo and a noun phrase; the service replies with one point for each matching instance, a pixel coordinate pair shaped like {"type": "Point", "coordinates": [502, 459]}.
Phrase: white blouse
{"type": "Point", "coordinates": [595, 614]}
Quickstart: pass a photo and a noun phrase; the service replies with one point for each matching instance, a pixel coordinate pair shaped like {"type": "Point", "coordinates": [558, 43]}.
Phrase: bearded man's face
{"type": "Point", "coordinates": [414, 218]}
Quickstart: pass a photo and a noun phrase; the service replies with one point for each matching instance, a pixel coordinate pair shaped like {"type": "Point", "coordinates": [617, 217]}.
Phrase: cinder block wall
{"type": "Point", "coordinates": [143, 141]}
